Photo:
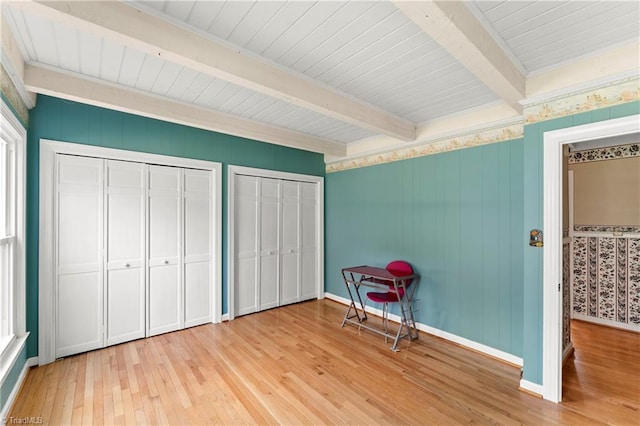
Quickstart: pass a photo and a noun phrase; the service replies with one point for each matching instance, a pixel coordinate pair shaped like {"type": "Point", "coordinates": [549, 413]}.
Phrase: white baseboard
{"type": "Point", "coordinates": [225, 317]}
{"type": "Point", "coordinates": [470, 344]}
{"type": "Point", "coordinates": [531, 387]}
{"type": "Point", "coordinates": [31, 362]}
{"type": "Point", "coordinates": [567, 352]}
{"type": "Point", "coordinates": [606, 322]}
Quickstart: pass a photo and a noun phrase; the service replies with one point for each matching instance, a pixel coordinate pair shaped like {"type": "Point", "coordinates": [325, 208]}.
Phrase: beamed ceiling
{"type": "Point", "coordinates": [336, 77]}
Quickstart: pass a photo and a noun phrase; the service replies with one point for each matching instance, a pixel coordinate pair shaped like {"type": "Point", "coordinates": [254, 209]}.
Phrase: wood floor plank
{"type": "Point", "coordinates": [296, 365]}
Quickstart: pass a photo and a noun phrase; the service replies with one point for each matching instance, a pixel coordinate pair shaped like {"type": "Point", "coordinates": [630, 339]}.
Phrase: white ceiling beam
{"type": "Point", "coordinates": [452, 25]}
{"type": "Point", "coordinates": [13, 63]}
{"type": "Point", "coordinates": [587, 71]}
{"type": "Point", "coordinates": [94, 92]}
{"type": "Point", "coordinates": [129, 26]}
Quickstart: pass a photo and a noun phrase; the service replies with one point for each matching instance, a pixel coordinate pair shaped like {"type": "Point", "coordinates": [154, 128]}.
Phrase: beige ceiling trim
{"type": "Point", "coordinates": [13, 63]}
{"type": "Point", "coordinates": [469, 140]}
{"type": "Point", "coordinates": [475, 118]}
{"type": "Point", "coordinates": [10, 92]}
{"type": "Point", "coordinates": [607, 95]}
{"type": "Point", "coordinates": [452, 25]}
{"type": "Point", "coordinates": [93, 92]}
{"type": "Point", "coordinates": [126, 25]}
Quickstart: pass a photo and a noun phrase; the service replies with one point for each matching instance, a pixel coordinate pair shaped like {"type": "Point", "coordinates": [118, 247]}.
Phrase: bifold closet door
{"type": "Point", "coordinates": [197, 247]}
{"type": "Point", "coordinates": [308, 241]}
{"type": "Point", "coordinates": [269, 232]}
{"type": "Point", "coordinates": [79, 222]}
{"type": "Point", "coordinates": [125, 234]}
{"type": "Point", "coordinates": [290, 253]}
{"type": "Point", "coordinates": [246, 244]}
{"type": "Point", "coordinates": [165, 289]}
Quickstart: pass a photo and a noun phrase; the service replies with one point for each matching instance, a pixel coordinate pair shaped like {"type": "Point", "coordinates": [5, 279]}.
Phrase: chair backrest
{"type": "Point", "coordinates": [400, 268]}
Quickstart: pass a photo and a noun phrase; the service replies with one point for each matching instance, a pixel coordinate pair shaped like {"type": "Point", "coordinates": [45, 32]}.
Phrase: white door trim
{"type": "Point", "coordinates": [46, 245]}
{"type": "Point", "coordinates": [232, 171]}
{"type": "Point", "coordinates": [552, 253]}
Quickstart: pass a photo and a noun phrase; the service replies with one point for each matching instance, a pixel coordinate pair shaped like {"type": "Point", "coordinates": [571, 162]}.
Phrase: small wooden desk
{"type": "Point", "coordinates": [380, 278]}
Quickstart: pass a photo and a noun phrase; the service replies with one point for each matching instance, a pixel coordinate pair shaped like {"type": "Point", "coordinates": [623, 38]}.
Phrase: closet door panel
{"type": "Point", "coordinates": [246, 297]}
{"type": "Point", "coordinates": [125, 251]}
{"type": "Point", "coordinates": [125, 305]}
{"type": "Point", "coordinates": [268, 282]}
{"type": "Point", "coordinates": [164, 311]}
{"type": "Point", "coordinates": [246, 245]}
{"type": "Point", "coordinates": [80, 312]}
{"type": "Point", "coordinates": [165, 289]}
{"type": "Point", "coordinates": [79, 222]}
{"type": "Point", "coordinates": [197, 293]}
{"type": "Point", "coordinates": [197, 247]}
{"type": "Point", "coordinates": [290, 257]}
{"type": "Point", "coordinates": [269, 243]}
{"type": "Point", "coordinates": [308, 241]}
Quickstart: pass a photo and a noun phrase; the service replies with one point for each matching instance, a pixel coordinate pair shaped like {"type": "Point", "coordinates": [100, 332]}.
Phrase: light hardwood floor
{"type": "Point", "coordinates": [295, 365]}
{"type": "Point", "coordinates": [602, 377]}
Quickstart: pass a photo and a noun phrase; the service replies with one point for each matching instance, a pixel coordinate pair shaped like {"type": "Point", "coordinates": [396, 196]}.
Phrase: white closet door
{"type": "Point", "coordinates": [165, 291]}
{"type": "Point", "coordinates": [79, 222]}
{"type": "Point", "coordinates": [125, 236]}
{"type": "Point", "coordinates": [269, 243]}
{"type": "Point", "coordinates": [246, 244]}
{"type": "Point", "coordinates": [290, 257]}
{"type": "Point", "coordinates": [308, 241]}
{"type": "Point", "coordinates": [197, 247]}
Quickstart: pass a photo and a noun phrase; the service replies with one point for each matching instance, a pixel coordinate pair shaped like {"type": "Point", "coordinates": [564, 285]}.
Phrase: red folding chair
{"type": "Point", "coordinates": [401, 269]}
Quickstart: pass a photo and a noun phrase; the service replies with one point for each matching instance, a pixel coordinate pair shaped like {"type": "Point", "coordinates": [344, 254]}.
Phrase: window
{"type": "Point", "coordinates": [12, 141]}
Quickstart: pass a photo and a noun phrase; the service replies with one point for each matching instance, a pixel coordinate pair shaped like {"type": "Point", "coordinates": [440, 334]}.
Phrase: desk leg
{"type": "Point", "coordinates": [352, 304]}
{"type": "Point", "coordinates": [364, 313]}
{"type": "Point", "coordinates": [406, 320]}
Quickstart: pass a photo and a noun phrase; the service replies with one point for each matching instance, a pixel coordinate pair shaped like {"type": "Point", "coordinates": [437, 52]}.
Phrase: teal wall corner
{"type": "Point", "coordinates": [457, 218]}
{"type": "Point", "coordinates": [533, 219]}
{"type": "Point", "coordinates": [67, 121]}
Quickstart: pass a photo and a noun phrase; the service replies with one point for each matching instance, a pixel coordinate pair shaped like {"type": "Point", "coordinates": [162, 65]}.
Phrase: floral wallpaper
{"type": "Point", "coordinates": [606, 228]}
{"type": "Point", "coordinates": [606, 278]}
{"type": "Point", "coordinates": [614, 93]}
{"type": "Point", "coordinates": [430, 147]}
{"type": "Point", "coordinates": [609, 153]}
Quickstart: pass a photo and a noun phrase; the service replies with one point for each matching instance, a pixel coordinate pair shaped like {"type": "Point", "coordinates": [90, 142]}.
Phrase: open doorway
{"type": "Point", "coordinates": [552, 257]}
{"type": "Point", "coordinates": [601, 265]}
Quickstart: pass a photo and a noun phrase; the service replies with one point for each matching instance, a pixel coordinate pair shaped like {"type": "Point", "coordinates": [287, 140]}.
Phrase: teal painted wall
{"type": "Point", "coordinates": [68, 121]}
{"type": "Point", "coordinates": [12, 377]}
{"type": "Point", "coordinates": [533, 211]}
{"type": "Point", "coordinates": [455, 216]}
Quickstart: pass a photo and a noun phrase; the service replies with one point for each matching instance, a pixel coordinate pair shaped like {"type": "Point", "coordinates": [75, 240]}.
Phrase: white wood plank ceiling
{"type": "Point", "coordinates": [315, 75]}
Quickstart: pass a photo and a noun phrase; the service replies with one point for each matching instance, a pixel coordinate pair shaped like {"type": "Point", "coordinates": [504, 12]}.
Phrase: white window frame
{"type": "Point", "coordinates": [14, 341]}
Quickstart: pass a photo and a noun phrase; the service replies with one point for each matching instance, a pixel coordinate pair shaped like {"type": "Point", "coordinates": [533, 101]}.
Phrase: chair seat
{"type": "Point", "coordinates": [383, 297]}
